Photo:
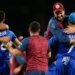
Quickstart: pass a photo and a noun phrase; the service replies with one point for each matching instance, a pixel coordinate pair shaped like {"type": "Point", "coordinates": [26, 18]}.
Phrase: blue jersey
{"type": "Point", "coordinates": [4, 53]}
{"type": "Point", "coordinates": [55, 27]}
{"type": "Point", "coordinates": [62, 47]}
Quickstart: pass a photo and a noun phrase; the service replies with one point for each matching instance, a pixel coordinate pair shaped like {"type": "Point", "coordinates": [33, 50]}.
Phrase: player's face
{"type": "Point", "coordinates": [59, 15]}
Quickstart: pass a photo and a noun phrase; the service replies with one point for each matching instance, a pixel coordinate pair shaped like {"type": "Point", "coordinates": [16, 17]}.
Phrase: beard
{"type": "Point", "coordinates": [60, 18]}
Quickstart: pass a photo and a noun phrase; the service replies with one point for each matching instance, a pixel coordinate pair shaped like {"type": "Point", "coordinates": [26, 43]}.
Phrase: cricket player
{"type": "Point", "coordinates": [65, 63]}
{"type": "Point", "coordinates": [37, 50]}
{"type": "Point", "coordinates": [5, 35]}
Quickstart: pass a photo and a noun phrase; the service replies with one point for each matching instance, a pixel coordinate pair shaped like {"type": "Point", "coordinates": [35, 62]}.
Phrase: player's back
{"type": "Point", "coordinates": [37, 53]}
{"type": "Point", "coordinates": [64, 48]}
{"type": "Point", "coordinates": [4, 53]}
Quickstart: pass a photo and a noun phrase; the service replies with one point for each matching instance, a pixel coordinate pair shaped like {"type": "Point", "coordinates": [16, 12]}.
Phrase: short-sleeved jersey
{"type": "Point", "coordinates": [54, 28]}
{"type": "Point", "coordinates": [36, 52]}
{"type": "Point", "coordinates": [4, 53]}
{"type": "Point", "coordinates": [62, 47]}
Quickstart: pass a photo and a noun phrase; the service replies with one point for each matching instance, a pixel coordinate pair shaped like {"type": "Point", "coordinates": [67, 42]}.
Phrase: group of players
{"type": "Point", "coordinates": [33, 54]}
{"type": "Point", "coordinates": [61, 37]}
{"type": "Point", "coordinates": [14, 66]}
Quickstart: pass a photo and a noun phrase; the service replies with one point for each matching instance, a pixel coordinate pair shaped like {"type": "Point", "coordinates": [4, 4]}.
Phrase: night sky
{"type": "Point", "coordinates": [19, 13]}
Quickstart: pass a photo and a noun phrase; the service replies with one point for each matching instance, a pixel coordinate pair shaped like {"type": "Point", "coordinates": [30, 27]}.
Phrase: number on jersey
{"type": "Point", "coordinates": [2, 47]}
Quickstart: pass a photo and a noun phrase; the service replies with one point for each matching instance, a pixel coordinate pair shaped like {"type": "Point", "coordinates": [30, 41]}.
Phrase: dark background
{"type": "Point", "coordinates": [19, 13]}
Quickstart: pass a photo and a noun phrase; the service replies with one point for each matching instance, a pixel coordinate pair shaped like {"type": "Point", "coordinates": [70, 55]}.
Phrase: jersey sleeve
{"type": "Point", "coordinates": [24, 44]}
{"type": "Point", "coordinates": [53, 26]}
{"type": "Point", "coordinates": [20, 60]}
{"type": "Point", "coordinates": [13, 36]}
{"type": "Point", "coordinates": [52, 41]}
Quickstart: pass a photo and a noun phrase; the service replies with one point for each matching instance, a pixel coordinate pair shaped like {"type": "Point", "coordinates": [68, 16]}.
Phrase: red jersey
{"type": "Point", "coordinates": [36, 52]}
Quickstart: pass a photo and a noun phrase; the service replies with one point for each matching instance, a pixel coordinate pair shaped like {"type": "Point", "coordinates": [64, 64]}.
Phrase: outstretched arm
{"type": "Point", "coordinates": [4, 27]}
{"type": "Point", "coordinates": [53, 26]}
{"type": "Point", "coordinates": [20, 48]}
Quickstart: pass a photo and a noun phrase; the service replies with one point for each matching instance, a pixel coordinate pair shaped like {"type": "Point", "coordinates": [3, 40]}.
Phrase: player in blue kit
{"type": "Point", "coordinates": [65, 63]}
{"type": "Point", "coordinates": [57, 22]}
{"type": "Point", "coordinates": [51, 65]}
{"type": "Point", "coordinates": [4, 53]}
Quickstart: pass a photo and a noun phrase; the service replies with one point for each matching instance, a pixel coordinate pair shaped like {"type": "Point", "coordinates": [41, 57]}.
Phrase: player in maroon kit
{"type": "Point", "coordinates": [36, 48]}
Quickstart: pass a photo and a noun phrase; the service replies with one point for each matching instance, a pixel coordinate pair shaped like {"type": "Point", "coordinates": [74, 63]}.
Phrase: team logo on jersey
{"type": "Point", "coordinates": [53, 26]}
{"type": "Point", "coordinates": [57, 6]}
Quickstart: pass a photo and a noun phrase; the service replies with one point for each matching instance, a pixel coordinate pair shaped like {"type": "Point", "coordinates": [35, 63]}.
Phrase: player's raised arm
{"type": "Point", "coordinates": [4, 27]}
{"type": "Point", "coordinates": [53, 25]}
{"type": "Point", "coordinates": [4, 39]}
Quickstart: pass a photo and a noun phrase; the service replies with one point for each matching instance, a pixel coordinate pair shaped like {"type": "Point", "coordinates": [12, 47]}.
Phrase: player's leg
{"type": "Point", "coordinates": [60, 68]}
{"type": "Point", "coordinates": [71, 67]}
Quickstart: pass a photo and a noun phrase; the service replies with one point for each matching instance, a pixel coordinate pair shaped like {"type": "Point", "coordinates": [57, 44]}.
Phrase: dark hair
{"type": "Point", "coordinates": [34, 26]}
{"type": "Point", "coordinates": [2, 15]}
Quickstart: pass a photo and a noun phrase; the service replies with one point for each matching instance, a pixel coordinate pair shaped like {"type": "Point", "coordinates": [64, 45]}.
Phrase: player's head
{"type": "Point", "coordinates": [2, 16]}
{"type": "Point", "coordinates": [58, 11]}
{"type": "Point", "coordinates": [72, 19]}
{"type": "Point", "coordinates": [34, 28]}
{"type": "Point", "coordinates": [20, 38]}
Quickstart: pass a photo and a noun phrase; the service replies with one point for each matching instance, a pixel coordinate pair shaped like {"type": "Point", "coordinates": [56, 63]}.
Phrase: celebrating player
{"type": "Point", "coordinates": [36, 48]}
{"type": "Point", "coordinates": [65, 63]}
{"type": "Point", "coordinates": [5, 36]}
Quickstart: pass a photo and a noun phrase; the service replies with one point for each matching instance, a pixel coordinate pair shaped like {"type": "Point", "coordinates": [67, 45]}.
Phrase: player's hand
{"type": "Point", "coordinates": [69, 29]}
{"type": "Point", "coordinates": [54, 62]}
{"type": "Point", "coordinates": [17, 70]}
{"type": "Point", "coordinates": [9, 44]}
{"type": "Point", "coordinates": [5, 39]}
{"type": "Point", "coordinates": [4, 27]}
{"type": "Point", "coordinates": [11, 61]}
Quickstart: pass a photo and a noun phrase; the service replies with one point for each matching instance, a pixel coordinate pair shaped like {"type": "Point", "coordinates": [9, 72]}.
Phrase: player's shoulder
{"type": "Point", "coordinates": [7, 26]}
{"type": "Point", "coordinates": [10, 31]}
{"type": "Point", "coordinates": [53, 19]}
{"type": "Point", "coordinates": [26, 39]}
{"type": "Point", "coordinates": [42, 38]}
